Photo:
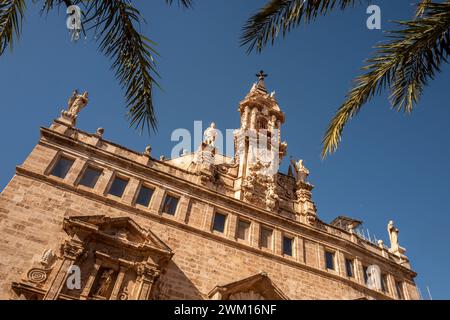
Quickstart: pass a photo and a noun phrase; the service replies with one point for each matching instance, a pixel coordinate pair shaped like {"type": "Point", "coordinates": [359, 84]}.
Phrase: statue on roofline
{"type": "Point", "coordinates": [76, 103]}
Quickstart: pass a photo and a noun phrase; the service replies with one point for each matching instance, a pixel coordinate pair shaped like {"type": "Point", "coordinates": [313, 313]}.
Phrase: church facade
{"type": "Point", "coordinates": [85, 218]}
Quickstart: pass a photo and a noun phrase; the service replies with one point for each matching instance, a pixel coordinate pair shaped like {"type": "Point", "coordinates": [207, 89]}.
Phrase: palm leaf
{"type": "Point", "coordinates": [421, 7]}
{"type": "Point", "coordinates": [281, 16]}
{"type": "Point", "coordinates": [132, 54]}
{"type": "Point", "coordinates": [182, 3]}
{"type": "Point", "coordinates": [11, 17]}
{"type": "Point", "coordinates": [404, 65]}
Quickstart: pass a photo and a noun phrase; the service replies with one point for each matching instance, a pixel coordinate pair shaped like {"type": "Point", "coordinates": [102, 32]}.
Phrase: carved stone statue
{"type": "Point", "coordinates": [76, 103]}
{"type": "Point", "coordinates": [210, 134]}
{"type": "Point", "coordinates": [105, 282]}
{"type": "Point", "coordinates": [301, 172]}
{"type": "Point", "coordinates": [393, 236]}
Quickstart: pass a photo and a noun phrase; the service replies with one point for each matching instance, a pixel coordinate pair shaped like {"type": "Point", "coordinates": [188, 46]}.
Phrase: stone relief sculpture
{"type": "Point", "coordinates": [105, 282]}
{"type": "Point", "coordinates": [271, 195]}
{"type": "Point", "coordinates": [374, 277]}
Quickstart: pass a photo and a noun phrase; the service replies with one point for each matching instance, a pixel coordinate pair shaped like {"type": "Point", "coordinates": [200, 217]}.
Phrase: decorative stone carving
{"type": "Point", "coordinates": [374, 277]}
{"type": "Point", "coordinates": [210, 135]}
{"type": "Point", "coordinates": [105, 282]}
{"type": "Point", "coordinates": [124, 294]}
{"type": "Point", "coordinates": [39, 272]}
{"type": "Point", "coordinates": [47, 258]}
{"type": "Point", "coordinates": [38, 275]}
{"type": "Point", "coordinates": [260, 187]}
{"type": "Point", "coordinates": [393, 235]}
{"type": "Point", "coordinates": [71, 250]}
{"type": "Point", "coordinates": [76, 103]}
{"type": "Point", "coordinates": [393, 238]}
{"type": "Point", "coordinates": [148, 151]}
{"type": "Point", "coordinates": [271, 195]}
{"type": "Point", "coordinates": [301, 172]}
{"type": "Point", "coordinates": [99, 133]}
{"type": "Point", "coordinates": [122, 234]}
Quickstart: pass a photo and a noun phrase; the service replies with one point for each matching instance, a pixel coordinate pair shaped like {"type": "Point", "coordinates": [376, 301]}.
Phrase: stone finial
{"type": "Point", "coordinates": [148, 151]}
{"type": "Point", "coordinates": [162, 158]}
{"type": "Point", "coordinates": [100, 131]}
{"type": "Point", "coordinates": [381, 244]}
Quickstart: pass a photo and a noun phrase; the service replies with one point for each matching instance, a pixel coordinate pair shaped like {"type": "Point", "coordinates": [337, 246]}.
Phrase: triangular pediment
{"type": "Point", "coordinates": [256, 287]}
{"type": "Point", "coordinates": [123, 230]}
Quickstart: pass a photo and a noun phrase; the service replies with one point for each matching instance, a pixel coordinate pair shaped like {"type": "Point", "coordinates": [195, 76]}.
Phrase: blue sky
{"type": "Point", "coordinates": [389, 165]}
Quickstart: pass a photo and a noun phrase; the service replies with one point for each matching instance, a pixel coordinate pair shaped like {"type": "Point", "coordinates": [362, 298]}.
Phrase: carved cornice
{"type": "Point", "coordinates": [72, 250]}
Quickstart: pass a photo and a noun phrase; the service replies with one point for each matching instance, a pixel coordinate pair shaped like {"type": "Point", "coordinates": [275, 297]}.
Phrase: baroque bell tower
{"type": "Point", "coordinates": [258, 149]}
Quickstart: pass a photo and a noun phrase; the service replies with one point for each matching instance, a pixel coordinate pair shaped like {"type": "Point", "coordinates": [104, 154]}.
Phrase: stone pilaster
{"type": "Point", "coordinates": [118, 283]}
{"type": "Point", "coordinates": [90, 281]}
{"type": "Point", "coordinates": [71, 252]}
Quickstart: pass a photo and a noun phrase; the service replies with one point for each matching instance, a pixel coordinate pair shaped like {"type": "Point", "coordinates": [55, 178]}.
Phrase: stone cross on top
{"type": "Point", "coordinates": [261, 75]}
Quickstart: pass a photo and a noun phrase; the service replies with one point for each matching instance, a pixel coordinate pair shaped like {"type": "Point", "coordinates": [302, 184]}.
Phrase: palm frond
{"type": "Point", "coordinates": [11, 17]}
{"type": "Point", "coordinates": [283, 15]}
{"type": "Point", "coordinates": [421, 7]}
{"type": "Point", "coordinates": [132, 55]}
{"type": "Point", "coordinates": [182, 3]}
{"type": "Point", "coordinates": [404, 65]}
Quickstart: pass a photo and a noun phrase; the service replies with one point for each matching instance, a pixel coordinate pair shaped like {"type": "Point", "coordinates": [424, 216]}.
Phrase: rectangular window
{"type": "Point", "coordinates": [219, 222]}
{"type": "Point", "coordinates": [399, 287]}
{"type": "Point", "coordinates": [62, 167]}
{"type": "Point", "coordinates": [144, 196]}
{"type": "Point", "coordinates": [118, 187]}
{"type": "Point", "coordinates": [90, 177]}
{"type": "Point", "coordinates": [243, 230]}
{"type": "Point", "coordinates": [266, 238]}
{"type": "Point", "coordinates": [329, 260]}
{"type": "Point", "coordinates": [349, 267]}
{"type": "Point", "coordinates": [384, 286]}
{"type": "Point", "coordinates": [287, 246]}
{"type": "Point", "coordinates": [170, 205]}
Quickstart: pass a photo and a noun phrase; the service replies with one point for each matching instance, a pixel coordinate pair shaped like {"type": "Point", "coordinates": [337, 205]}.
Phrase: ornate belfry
{"type": "Point", "coordinates": [259, 152]}
{"type": "Point", "coordinates": [102, 258]}
{"type": "Point", "coordinates": [253, 174]}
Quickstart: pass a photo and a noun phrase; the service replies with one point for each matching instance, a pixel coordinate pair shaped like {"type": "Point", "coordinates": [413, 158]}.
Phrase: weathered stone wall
{"type": "Point", "coordinates": [33, 205]}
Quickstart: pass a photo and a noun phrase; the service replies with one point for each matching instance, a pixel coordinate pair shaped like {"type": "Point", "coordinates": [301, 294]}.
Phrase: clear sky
{"type": "Point", "coordinates": [389, 166]}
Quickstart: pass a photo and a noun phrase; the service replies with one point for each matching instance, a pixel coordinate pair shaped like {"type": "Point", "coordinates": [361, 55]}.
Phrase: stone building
{"type": "Point", "coordinates": [85, 218]}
